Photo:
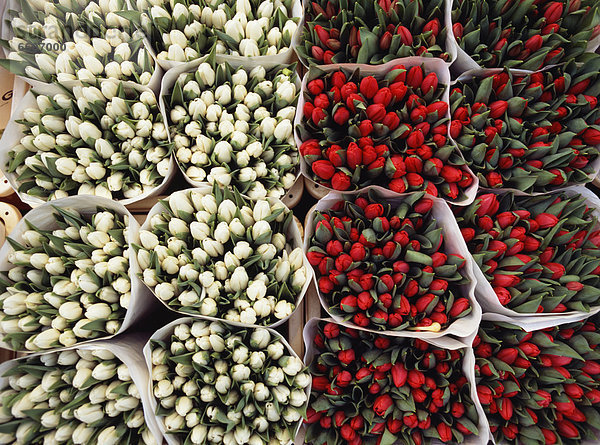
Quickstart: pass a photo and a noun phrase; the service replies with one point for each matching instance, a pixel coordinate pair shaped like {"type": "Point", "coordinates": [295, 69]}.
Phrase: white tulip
{"type": "Point", "coordinates": [283, 130]}
{"type": "Point", "coordinates": [233, 28]}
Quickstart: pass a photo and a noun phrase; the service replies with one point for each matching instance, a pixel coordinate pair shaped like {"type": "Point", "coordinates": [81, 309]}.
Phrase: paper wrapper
{"type": "Point", "coordinates": [450, 42]}
{"type": "Point", "coordinates": [463, 328]}
{"type": "Point", "coordinates": [489, 301]}
{"type": "Point", "coordinates": [479, 73]}
{"type": "Point", "coordinates": [293, 238]}
{"type": "Point", "coordinates": [141, 301]}
{"type": "Point", "coordinates": [128, 349]}
{"type": "Point", "coordinates": [13, 134]}
{"type": "Point", "coordinates": [248, 64]}
{"type": "Point", "coordinates": [282, 58]}
{"type": "Point", "coordinates": [6, 33]}
{"type": "Point", "coordinates": [437, 66]}
{"type": "Point", "coordinates": [164, 334]}
{"type": "Point", "coordinates": [468, 367]}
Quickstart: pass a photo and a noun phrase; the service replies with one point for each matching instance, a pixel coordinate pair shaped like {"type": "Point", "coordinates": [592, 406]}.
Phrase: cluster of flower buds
{"type": "Point", "coordinates": [372, 389]}
{"type": "Point", "coordinates": [524, 34]}
{"type": "Point", "coordinates": [540, 254]}
{"type": "Point", "coordinates": [107, 141]}
{"type": "Point", "coordinates": [60, 41]}
{"type": "Point", "coordinates": [531, 133]}
{"type": "Point", "coordinates": [66, 285]}
{"type": "Point", "coordinates": [78, 396]}
{"type": "Point", "coordinates": [373, 32]}
{"type": "Point", "coordinates": [221, 255]}
{"type": "Point", "coordinates": [383, 266]}
{"type": "Point", "coordinates": [540, 387]}
{"type": "Point", "coordinates": [235, 127]}
{"type": "Point", "coordinates": [217, 384]}
{"type": "Point", "coordinates": [185, 30]}
{"type": "Point", "coordinates": [390, 130]}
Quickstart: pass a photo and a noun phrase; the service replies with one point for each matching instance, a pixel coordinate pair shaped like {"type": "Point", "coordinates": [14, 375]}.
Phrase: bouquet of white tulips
{"type": "Point", "coordinates": [234, 126]}
{"type": "Point", "coordinates": [182, 31]}
{"type": "Point", "coordinates": [216, 383]}
{"type": "Point", "coordinates": [218, 254]}
{"type": "Point", "coordinates": [64, 41]}
{"type": "Point", "coordinates": [66, 276]}
{"type": "Point", "coordinates": [107, 140]}
{"type": "Point", "coordinates": [78, 396]}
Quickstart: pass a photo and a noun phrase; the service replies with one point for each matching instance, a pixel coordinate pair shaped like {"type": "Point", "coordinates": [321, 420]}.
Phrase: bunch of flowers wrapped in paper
{"type": "Point", "coordinates": [186, 30]}
{"type": "Point", "coordinates": [539, 387]}
{"type": "Point", "coordinates": [101, 139]}
{"type": "Point", "coordinates": [540, 254]}
{"type": "Point", "coordinates": [216, 253]}
{"type": "Point", "coordinates": [68, 276]}
{"type": "Point", "coordinates": [234, 126]}
{"type": "Point", "coordinates": [57, 41]}
{"type": "Point", "coordinates": [373, 32]}
{"type": "Point", "coordinates": [79, 396]}
{"type": "Point", "coordinates": [388, 129]}
{"type": "Point", "coordinates": [374, 389]}
{"type": "Point", "coordinates": [532, 133]}
{"type": "Point", "coordinates": [523, 34]}
{"type": "Point", "coordinates": [218, 383]}
{"type": "Point", "coordinates": [388, 266]}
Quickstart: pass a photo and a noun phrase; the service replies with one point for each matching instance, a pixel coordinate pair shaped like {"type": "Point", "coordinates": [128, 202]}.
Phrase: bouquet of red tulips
{"type": "Point", "coordinates": [540, 387]}
{"type": "Point", "coordinates": [531, 133]}
{"type": "Point", "coordinates": [522, 34]}
{"type": "Point", "coordinates": [373, 32]}
{"type": "Point", "coordinates": [372, 389]}
{"type": "Point", "coordinates": [539, 254]}
{"type": "Point", "coordinates": [391, 266]}
{"type": "Point", "coordinates": [388, 129]}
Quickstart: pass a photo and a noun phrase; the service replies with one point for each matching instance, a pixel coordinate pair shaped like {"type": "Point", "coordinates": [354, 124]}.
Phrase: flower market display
{"type": "Point", "coordinates": [388, 129]}
{"type": "Point", "coordinates": [373, 389]}
{"type": "Point", "coordinates": [539, 387]}
{"type": "Point", "coordinates": [79, 396]}
{"type": "Point", "coordinates": [531, 133]}
{"type": "Point", "coordinates": [106, 140]}
{"type": "Point", "coordinates": [372, 32]}
{"type": "Point", "coordinates": [219, 383]}
{"type": "Point", "coordinates": [386, 266]}
{"type": "Point", "coordinates": [186, 30]}
{"type": "Point", "coordinates": [215, 253]}
{"type": "Point", "coordinates": [540, 254]}
{"type": "Point", "coordinates": [450, 151]}
{"type": "Point", "coordinates": [233, 127]}
{"type": "Point", "coordinates": [67, 279]}
{"type": "Point", "coordinates": [64, 41]}
{"type": "Point", "coordinates": [526, 34]}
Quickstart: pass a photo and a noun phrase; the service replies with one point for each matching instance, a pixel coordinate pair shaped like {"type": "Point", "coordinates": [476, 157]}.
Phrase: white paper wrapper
{"type": "Point", "coordinates": [282, 58]}
{"type": "Point", "coordinates": [248, 64]}
{"type": "Point", "coordinates": [453, 243]}
{"type": "Point", "coordinates": [7, 33]}
{"type": "Point", "coordinates": [489, 301]}
{"type": "Point", "coordinates": [13, 134]}
{"type": "Point", "coordinates": [430, 65]}
{"type": "Point", "coordinates": [128, 349]}
{"type": "Point", "coordinates": [449, 343]}
{"type": "Point", "coordinates": [141, 301]}
{"type": "Point", "coordinates": [450, 42]}
{"type": "Point", "coordinates": [293, 237]}
{"type": "Point", "coordinates": [479, 73]}
{"type": "Point", "coordinates": [164, 334]}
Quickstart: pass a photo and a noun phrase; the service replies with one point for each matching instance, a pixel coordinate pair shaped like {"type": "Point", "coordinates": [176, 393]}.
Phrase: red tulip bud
{"type": "Point", "coordinates": [405, 35]}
